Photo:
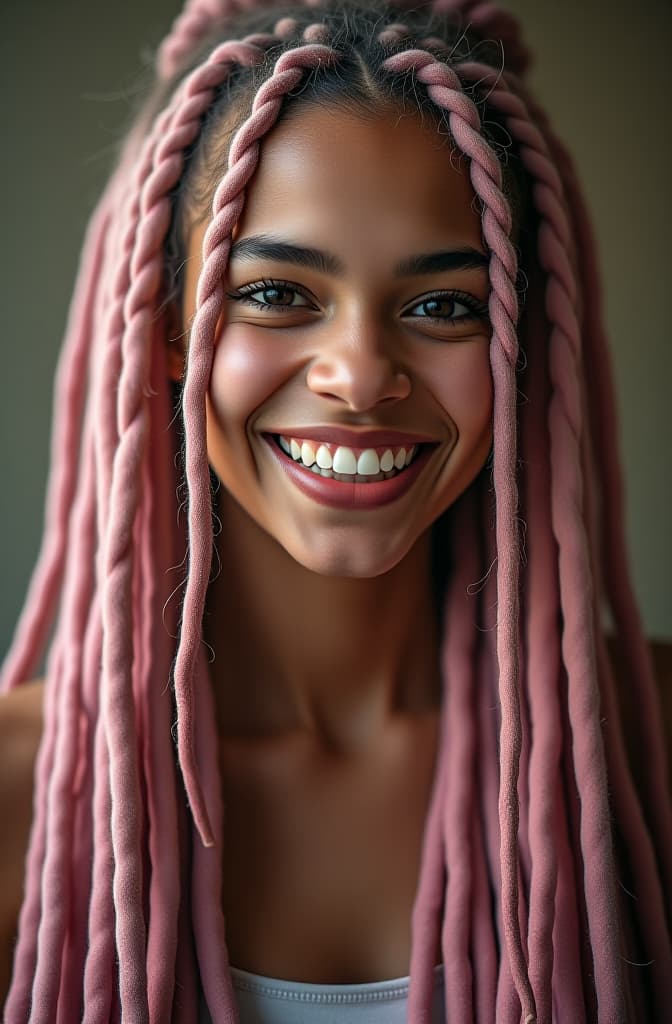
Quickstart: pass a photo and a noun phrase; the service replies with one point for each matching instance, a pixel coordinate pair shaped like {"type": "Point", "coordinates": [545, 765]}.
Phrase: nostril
{"type": "Point", "coordinates": [330, 395]}
{"type": "Point", "coordinates": [359, 386]}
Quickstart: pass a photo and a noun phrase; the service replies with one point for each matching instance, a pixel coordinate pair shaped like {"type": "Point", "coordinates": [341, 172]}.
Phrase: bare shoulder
{"type": "Point", "coordinates": [20, 733]}
{"type": "Point", "coordinates": [661, 653]}
{"type": "Point", "coordinates": [661, 659]}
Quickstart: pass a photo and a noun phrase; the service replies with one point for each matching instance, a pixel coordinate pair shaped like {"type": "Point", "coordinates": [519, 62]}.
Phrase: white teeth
{"type": "Point", "coordinates": [387, 462]}
{"type": "Point", "coordinates": [368, 463]}
{"type": "Point", "coordinates": [307, 454]}
{"type": "Point", "coordinates": [344, 464]}
{"type": "Point", "coordinates": [345, 461]}
{"type": "Point", "coordinates": [323, 458]}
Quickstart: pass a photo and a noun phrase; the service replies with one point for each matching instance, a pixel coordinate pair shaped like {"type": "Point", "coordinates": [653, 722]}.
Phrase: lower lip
{"type": "Point", "coordinates": [345, 495]}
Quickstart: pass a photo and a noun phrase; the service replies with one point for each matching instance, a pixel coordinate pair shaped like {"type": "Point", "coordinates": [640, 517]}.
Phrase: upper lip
{"type": "Point", "coordinates": [355, 438]}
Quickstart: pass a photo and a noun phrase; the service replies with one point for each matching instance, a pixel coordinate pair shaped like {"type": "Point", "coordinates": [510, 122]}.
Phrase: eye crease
{"type": "Point", "coordinates": [455, 300]}
{"type": "Point", "coordinates": [273, 292]}
{"type": "Point", "coordinates": [445, 306]}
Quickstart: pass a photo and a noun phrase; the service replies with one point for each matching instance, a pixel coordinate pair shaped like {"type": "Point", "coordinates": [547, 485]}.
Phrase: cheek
{"type": "Point", "coordinates": [463, 387]}
{"type": "Point", "coordinates": [246, 370]}
{"type": "Point", "coordinates": [464, 390]}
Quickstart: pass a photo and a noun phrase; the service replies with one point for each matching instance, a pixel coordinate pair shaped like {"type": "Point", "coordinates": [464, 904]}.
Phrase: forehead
{"type": "Point", "coordinates": [384, 182]}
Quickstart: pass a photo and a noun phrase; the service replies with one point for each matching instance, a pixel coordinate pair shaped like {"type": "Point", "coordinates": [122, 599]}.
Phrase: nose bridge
{"type": "Point", "coordinates": [358, 362]}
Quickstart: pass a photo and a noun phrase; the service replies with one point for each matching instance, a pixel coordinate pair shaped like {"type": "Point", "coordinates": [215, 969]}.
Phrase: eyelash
{"type": "Point", "coordinates": [478, 310]}
{"type": "Point", "coordinates": [248, 290]}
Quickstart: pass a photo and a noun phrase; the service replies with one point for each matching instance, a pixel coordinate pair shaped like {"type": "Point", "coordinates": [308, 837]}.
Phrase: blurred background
{"type": "Point", "coordinates": [69, 77]}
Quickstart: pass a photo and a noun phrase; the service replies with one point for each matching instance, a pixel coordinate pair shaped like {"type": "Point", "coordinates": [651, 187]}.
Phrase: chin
{"type": "Point", "coordinates": [345, 561]}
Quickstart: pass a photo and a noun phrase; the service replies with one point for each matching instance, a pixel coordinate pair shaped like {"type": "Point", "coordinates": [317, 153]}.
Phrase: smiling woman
{"type": "Point", "coordinates": [356, 353]}
{"type": "Point", "coordinates": [341, 243]}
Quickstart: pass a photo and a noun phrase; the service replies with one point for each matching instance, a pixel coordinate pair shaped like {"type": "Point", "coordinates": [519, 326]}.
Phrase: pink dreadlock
{"type": "Point", "coordinates": [542, 812]}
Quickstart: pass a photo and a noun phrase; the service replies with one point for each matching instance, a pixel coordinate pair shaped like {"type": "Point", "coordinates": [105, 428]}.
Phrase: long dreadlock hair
{"type": "Point", "coordinates": [548, 846]}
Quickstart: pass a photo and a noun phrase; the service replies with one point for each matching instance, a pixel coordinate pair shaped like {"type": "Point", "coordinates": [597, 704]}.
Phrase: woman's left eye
{"type": "Point", "coordinates": [449, 306]}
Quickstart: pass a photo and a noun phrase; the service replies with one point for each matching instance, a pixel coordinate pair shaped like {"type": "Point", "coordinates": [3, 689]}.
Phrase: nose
{"type": "Point", "coordinates": [357, 368]}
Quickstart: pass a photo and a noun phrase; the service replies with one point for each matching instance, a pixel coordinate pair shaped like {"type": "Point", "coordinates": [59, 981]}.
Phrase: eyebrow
{"type": "Point", "coordinates": [435, 262]}
{"type": "Point", "coordinates": [265, 247]}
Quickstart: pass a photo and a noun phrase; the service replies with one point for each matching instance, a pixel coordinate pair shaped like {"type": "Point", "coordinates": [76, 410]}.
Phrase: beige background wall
{"type": "Point", "coordinates": [67, 73]}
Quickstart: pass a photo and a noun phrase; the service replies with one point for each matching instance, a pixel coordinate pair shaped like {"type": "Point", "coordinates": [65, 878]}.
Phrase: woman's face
{"type": "Point", "coordinates": [350, 400]}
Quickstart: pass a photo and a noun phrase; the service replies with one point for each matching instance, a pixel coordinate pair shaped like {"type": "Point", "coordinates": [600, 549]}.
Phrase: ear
{"type": "Point", "coordinates": [172, 330]}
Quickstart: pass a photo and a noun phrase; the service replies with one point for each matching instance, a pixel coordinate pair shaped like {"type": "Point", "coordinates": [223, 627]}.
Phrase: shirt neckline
{"type": "Point", "coordinates": [277, 988]}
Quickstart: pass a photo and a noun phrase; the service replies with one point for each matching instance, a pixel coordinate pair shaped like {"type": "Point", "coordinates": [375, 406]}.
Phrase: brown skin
{"type": "Point", "coordinates": [345, 350]}
{"type": "Point", "coordinates": [20, 732]}
{"type": "Point", "coordinates": [327, 683]}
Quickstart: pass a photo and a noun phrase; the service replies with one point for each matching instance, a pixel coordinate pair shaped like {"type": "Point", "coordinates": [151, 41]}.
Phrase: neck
{"type": "Point", "coordinates": [297, 651]}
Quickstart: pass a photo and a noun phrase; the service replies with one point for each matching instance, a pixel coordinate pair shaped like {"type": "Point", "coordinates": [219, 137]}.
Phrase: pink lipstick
{"type": "Point", "coordinates": [352, 494]}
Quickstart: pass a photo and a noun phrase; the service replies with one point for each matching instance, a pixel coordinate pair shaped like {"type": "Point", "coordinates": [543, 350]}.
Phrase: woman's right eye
{"type": "Point", "coordinates": [271, 295]}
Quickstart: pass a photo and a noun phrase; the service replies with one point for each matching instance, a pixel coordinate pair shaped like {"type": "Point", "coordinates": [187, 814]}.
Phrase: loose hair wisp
{"type": "Point", "coordinates": [546, 847]}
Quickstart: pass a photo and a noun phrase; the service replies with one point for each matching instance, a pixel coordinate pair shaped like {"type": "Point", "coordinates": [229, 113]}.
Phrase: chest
{"type": "Point", "coordinates": [323, 856]}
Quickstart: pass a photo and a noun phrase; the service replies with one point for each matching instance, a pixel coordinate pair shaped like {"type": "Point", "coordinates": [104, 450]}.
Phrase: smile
{"type": "Point", "coordinates": [348, 465]}
{"type": "Point", "coordinates": [346, 477]}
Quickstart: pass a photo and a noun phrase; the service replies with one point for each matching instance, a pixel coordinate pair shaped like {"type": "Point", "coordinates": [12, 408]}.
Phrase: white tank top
{"type": "Point", "coordinates": [271, 1001]}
